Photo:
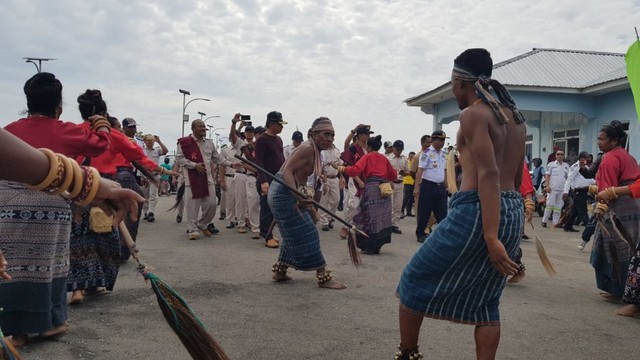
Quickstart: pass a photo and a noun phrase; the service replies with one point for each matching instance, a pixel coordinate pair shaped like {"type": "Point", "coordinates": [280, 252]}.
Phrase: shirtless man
{"type": "Point", "coordinates": [459, 273]}
{"type": "Point", "coordinates": [300, 245]}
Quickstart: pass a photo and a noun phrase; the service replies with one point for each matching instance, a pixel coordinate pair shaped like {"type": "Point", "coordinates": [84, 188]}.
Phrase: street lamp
{"type": "Point", "coordinates": [39, 60]}
{"type": "Point", "coordinates": [214, 116]}
{"type": "Point", "coordinates": [185, 117]}
{"type": "Point", "coordinates": [201, 114]}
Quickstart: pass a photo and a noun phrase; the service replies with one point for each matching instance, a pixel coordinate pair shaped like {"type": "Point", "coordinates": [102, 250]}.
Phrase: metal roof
{"type": "Point", "coordinates": [571, 70]}
{"type": "Point", "coordinates": [557, 68]}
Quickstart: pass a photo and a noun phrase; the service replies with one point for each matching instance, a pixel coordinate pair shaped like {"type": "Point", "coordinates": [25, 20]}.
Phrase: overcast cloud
{"type": "Point", "coordinates": [353, 61]}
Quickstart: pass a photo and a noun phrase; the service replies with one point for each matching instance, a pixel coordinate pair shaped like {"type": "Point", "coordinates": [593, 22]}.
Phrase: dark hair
{"type": "Point", "coordinates": [113, 121]}
{"type": "Point", "coordinates": [615, 131]}
{"type": "Point", "coordinates": [90, 103]}
{"type": "Point", "coordinates": [375, 143]}
{"type": "Point", "coordinates": [583, 155]}
{"type": "Point", "coordinates": [424, 138]}
{"type": "Point", "coordinates": [477, 61]}
{"type": "Point", "coordinates": [537, 162]}
{"type": "Point", "coordinates": [166, 160]}
{"type": "Point", "coordinates": [44, 94]}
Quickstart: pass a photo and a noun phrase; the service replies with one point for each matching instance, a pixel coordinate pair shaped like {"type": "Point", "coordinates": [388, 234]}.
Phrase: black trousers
{"type": "Point", "coordinates": [579, 209]}
{"type": "Point", "coordinates": [266, 217]}
{"type": "Point", "coordinates": [407, 198]}
{"type": "Point", "coordinates": [433, 198]}
{"type": "Point", "coordinates": [127, 180]}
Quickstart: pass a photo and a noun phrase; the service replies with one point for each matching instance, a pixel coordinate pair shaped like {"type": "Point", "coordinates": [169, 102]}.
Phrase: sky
{"type": "Point", "coordinates": [353, 61]}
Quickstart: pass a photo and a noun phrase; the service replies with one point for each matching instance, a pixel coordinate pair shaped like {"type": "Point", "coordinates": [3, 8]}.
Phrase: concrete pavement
{"type": "Point", "coordinates": [226, 279]}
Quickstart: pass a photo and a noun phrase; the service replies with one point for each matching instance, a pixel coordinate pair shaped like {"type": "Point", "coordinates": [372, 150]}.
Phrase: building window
{"type": "Point", "coordinates": [528, 149]}
{"type": "Point", "coordinates": [569, 142]}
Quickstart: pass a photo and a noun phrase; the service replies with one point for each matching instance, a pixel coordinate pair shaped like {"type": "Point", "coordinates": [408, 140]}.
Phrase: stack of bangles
{"type": "Point", "coordinates": [163, 171]}
{"type": "Point", "coordinates": [601, 208]}
{"type": "Point", "coordinates": [100, 123]}
{"type": "Point", "coordinates": [341, 168]}
{"type": "Point", "coordinates": [529, 205]}
{"type": "Point", "coordinates": [593, 189]}
{"type": "Point", "coordinates": [68, 179]}
{"type": "Point", "coordinates": [611, 191]}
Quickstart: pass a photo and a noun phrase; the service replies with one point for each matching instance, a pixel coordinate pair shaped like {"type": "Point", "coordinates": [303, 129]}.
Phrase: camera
{"type": "Point", "coordinates": [245, 117]}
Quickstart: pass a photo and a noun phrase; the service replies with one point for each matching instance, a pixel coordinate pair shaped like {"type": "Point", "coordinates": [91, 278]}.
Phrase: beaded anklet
{"type": "Point", "coordinates": [324, 277]}
{"type": "Point", "coordinates": [279, 268]}
{"type": "Point", "coordinates": [408, 354]}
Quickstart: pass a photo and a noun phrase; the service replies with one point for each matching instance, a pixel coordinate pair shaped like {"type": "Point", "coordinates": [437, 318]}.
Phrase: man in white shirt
{"type": "Point", "coordinates": [296, 139]}
{"type": "Point", "coordinates": [578, 187]}
{"type": "Point", "coordinates": [149, 190]}
{"type": "Point", "coordinates": [399, 163]}
{"type": "Point", "coordinates": [330, 186]}
{"type": "Point", "coordinates": [555, 176]}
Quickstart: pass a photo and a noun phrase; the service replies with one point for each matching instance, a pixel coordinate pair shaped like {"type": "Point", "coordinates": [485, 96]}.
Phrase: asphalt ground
{"type": "Point", "coordinates": [226, 279]}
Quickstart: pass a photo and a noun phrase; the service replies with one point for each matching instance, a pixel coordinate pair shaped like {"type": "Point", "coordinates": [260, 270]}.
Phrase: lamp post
{"type": "Point", "coordinates": [39, 60]}
{"type": "Point", "coordinates": [185, 117]}
{"type": "Point", "coordinates": [214, 116]}
{"type": "Point", "coordinates": [201, 114]}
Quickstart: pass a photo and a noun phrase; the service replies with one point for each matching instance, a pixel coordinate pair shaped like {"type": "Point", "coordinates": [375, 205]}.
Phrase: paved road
{"type": "Point", "coordinates": [226, 280]}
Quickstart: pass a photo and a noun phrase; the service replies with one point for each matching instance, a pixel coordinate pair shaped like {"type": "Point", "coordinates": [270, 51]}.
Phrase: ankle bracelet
{"type": "Point", "coordinates": [408, 354]}
{"type": "Point", "coordinates": [279, 268]}
{"type": "Point", "coordinates": [324, 276]}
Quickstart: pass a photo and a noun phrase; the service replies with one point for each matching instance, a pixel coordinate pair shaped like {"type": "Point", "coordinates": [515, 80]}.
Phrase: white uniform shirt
{"type": "Point", "coordinates": [399, 163]}
{"type": "Point", "coordinates": [558, 173]}
{"type": "Point", "coordinates": [288, 150]}
{"type": "Point", "coordinates": [330, 156]}
{"type": "Point", "coordinates": [575, 180]}
{"type": "Point", "coordinates": [153, 154]}
{"type": "Point", "coordinates": [434, 164]}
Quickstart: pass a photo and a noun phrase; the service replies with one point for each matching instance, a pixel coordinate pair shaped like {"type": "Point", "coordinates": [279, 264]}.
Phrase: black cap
{"type": "Point", "coordinates": [249, 129]}
{"type": "Point", "coordinates": [259, 130]}
{"type": "Point", "coordinates": [297, 135]}
{"type": "Point", "coordinates": [439, 134]}
{"type": "Point", "coordinates": [275, 116]}
{"type": "Point", "coordinates": [364, 130]}
{"type": "Point", "coordinates": [128, 122]}
{"type": "Point", "coordinates": [398, 144]}
{"type": "Point", "coordinates": [387, 144]}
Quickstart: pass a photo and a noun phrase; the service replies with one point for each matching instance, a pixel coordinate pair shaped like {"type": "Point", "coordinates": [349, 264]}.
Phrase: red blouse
{"type": "Point", "coordinates": [617, 167]}
{"type": "Point", "coordinates": [635, 189]}
{"type": "Point", "coordinates": [372, 164]}
{"type": "Point", "coordinates": [62, 137]}
{"type": "Point", "coordinates": [122, 151]}
{"type": "Point", "coordinates": [526, 186]}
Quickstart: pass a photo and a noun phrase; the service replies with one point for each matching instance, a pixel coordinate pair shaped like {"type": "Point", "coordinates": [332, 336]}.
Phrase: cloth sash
{"type": "Point", "coordinates": [198, 182]}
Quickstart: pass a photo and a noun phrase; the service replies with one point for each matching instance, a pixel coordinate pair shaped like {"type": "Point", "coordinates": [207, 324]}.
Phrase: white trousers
{"type": "Point", "coordinates": [396, 203]}
{"type": "Point", "coordinates": [330, 199]}
{"type": "Point", "coordinates": [253, 204]}
{"type": "Point", "coordinates": [350, 201]}
{"type": "Point", "coordinates": [150, 193]}
{"type": "Point", "coordinates": [200, 212]}
{"type": "Point", "coordinates": [240, 191]}
{"type": "Point", "coordinates": [553, 206]}
{"type": "Point", "coordinates": [230, 198]}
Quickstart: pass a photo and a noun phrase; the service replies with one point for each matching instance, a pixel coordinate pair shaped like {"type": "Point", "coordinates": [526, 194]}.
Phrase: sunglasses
{"type": "Point", "coordinates": [561, 154]}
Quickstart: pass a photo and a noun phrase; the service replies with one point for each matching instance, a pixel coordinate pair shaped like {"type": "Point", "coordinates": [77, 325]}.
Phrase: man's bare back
{"type": "Point", "coordinates": [478, 124]}
{"type": "Point", "coordinates": [300, 165]}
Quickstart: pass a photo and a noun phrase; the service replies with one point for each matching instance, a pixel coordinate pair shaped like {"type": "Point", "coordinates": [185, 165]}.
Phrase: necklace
{"type": "Point", "coordinates": [476, 102]}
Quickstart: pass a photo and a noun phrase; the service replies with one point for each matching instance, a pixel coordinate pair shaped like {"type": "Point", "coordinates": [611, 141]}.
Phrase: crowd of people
{"type": "Point", "coordinates": [60, 237]}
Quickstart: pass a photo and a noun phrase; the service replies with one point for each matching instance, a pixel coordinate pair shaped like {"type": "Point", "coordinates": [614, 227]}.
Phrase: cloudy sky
{"type": "Point", "coordinates": [354, 61]}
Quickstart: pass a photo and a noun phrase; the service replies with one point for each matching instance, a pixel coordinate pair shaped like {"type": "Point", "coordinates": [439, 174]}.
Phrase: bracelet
{"type": "Point", "coordinates": [593, 189]}
{"type": "Point", "coordinates": [53, 171]}
{"type": "Point", "coordinates": [601, 208]}
{"type": "Point", "coordinates": [341, 168]}
{"type": "Point", "coordinates": [68, 175]}
{"type": "Point", "coordinates": [56, 184]}
{"type": "Point", "coordinates": [529, 204]}
{"type": "Point", "coordinates": [324, 277]}
{"type": "Point", "coordinates": [76, 186]}
{"type": "Point", "coordinates": [279, 268]}
{"type": "Point", "coordinates": [611, 191]}
{"type": "Point", "coordinates": [90, 188]}
{"type": "Point", "coordinates": [411, 354]}
{"type": "Point", "coordinates": [99, 123]}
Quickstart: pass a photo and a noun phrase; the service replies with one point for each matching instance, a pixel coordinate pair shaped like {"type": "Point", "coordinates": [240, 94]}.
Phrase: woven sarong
{"type": "Point", "coordinates": [34, 236]}
{"type": "Point", "coordinates": [609, 248]}
{"type": "Point", "coordinates": [373, 217]}
{"type": "Point", "coordinates": [300, 245]}
{"type": "Point", "coordinates": [93, 257]}
{"type": "Point", "coordinates": [451, 276]}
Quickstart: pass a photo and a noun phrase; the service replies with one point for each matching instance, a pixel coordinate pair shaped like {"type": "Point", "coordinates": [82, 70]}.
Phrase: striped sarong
{"type": "Point", "coordinates": [300, 245]}
{"type": "Point", "coordinates": [34, 236]}
{"type": "Point", "coordinates": [609, 249]}
{"type": "Point", "coordinates": [451, 276]}
{"type": "Point", "coordinates": [373, 217]}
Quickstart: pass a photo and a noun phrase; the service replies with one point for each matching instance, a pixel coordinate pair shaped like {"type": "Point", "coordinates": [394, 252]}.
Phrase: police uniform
{"type": "Point", "coordinates": [433, 192]}
{"type": "Point", "coordinates": [558, 172]}
{"type": "Point", "coordinates": [399, 163]}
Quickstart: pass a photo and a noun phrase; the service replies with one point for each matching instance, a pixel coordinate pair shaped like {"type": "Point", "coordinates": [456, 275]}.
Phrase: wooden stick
{"type": "Point", "coordinates": [295, 191]}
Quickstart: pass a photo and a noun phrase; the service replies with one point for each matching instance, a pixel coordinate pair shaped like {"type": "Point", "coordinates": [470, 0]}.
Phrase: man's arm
{"type": "Point", "coordinates": [573, 171]}
{"type": "Point", "coordinates": [547, 178]}
{"type": "Point", "coordinates": [233, 136]}
{"type": "Point", "coordinates": [475, 130]}
{"type": "Point", "coordinates": [163, 149]}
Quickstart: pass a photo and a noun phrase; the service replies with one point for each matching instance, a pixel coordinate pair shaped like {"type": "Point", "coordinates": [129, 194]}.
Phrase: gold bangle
{"type": "Point", "coordinates": [53, 171]}
{"type": "Point", "coordinates": [612, 192]}
{"type": "Point", "coordinates": [68, 175]}
{"type": "Point", "coordinates": [76, 186]}
{"type": "Point", "coordinates": [593, 189]}
{"type": "Point", "coordinates": [95, 186]}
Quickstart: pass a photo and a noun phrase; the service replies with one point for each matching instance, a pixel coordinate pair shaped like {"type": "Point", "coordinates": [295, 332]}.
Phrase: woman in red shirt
{"type": "Point", "coordinates": [618, 168]}
{"type": "Point", "coordinates": [34, 226]}
{"type": "Point", "coordinates": [374, 211]}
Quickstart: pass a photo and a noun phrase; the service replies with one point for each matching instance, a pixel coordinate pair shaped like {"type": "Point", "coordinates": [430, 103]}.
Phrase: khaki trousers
{"type": "Point", "coordinates": [200, 212]}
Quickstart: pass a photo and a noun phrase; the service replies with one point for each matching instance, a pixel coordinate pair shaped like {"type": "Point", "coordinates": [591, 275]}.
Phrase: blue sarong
{"type": "Point", "coordinates": [451, 276]}
{"type": "Point", "coordinates": [300, 245]}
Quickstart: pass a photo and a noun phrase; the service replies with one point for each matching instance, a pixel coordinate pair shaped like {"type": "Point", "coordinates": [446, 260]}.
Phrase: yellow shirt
{"type": "Point", "coordinates": [408, 180]}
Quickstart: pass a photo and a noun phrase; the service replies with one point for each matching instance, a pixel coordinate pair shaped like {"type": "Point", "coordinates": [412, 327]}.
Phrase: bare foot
{"type": "Point", "coordinates": [18, 340]}
{"type": "Point", "coordinates": [278, 277]}
{"type": "Point", "coordinates": [60, 329]}
{"type": "Point", "coordinates": [332, 284]}
{"type": "Point", "coordinates": [610, 298]}
{"type": "Point", "coordinates": [631, 310]}
{"type": "Point", "coordinates": [76, 298]}
{"type": "Point", "coordinates": [516, 278]}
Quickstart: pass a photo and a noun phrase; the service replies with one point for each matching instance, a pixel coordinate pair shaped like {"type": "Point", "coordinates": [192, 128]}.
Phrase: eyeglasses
{"type": "Point", "coordinates": [559, 154]}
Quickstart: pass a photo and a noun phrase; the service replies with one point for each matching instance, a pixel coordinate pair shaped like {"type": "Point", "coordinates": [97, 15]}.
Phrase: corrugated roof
{"type": "Point", "coordinates": [561, 68]}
